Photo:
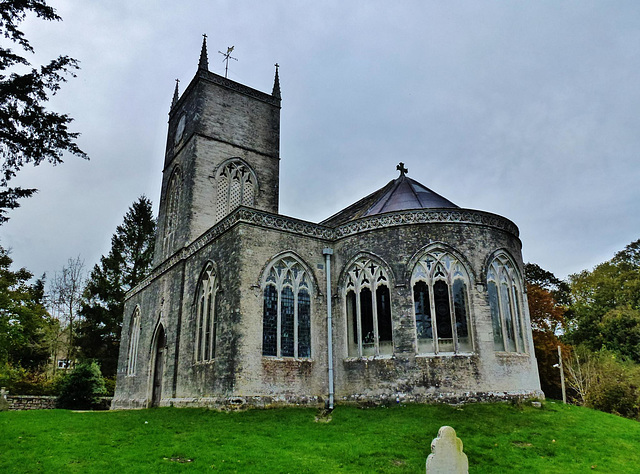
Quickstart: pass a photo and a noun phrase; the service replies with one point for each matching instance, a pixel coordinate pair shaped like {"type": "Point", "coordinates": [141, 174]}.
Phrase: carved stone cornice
{"type": "Point", "coordinates": [310, 229]}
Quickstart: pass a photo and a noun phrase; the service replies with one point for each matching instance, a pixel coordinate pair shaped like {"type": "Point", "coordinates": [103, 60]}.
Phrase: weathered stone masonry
{"type": "Point", "coordinates": [445, 317]}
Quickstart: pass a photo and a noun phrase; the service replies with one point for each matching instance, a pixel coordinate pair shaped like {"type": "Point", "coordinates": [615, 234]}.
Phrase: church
{"type": "Point", "coordinates": [401, 297]}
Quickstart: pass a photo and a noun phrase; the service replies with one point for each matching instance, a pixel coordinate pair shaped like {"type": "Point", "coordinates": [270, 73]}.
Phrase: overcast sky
{"type": "Point", "coordinates": [530, 110]}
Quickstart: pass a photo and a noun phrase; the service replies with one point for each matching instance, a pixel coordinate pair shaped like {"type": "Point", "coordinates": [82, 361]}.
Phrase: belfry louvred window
{"type": "Point", "coordinates": [441, 304]}
{"type": "Point", "coordinates": [236, 186]}
{"type": "Point", "coordinates": [286, 330]}
{"type": "Point", "coordinates": [206, 315]}
{"type": "Point", "coordinates": [368, 309]}
{"type": "Point", "coordinates": [504, 291]}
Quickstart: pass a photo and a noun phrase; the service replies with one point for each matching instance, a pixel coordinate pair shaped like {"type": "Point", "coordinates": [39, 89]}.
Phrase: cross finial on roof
{"type": "Point", "coordinates": [402, 169]}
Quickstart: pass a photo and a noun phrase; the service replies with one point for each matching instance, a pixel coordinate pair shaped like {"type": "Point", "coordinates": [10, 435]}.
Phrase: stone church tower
{"type": "Point", "coordinates": [401, 296]}
{"type": "Point", "coordinates": [222, 152]}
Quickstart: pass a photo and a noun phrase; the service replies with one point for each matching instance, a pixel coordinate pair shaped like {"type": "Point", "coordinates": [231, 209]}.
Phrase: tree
{"type": "Point", "coordinates": [605, 309]}
{"type": "Point", "coordinates": [547, 320]}
{"type": "Point", "coordinates": [126, 265]}
{"type": "Point", "coordinates": [66, 293]}
{"type": "Point", "coordinates": [82, 388]}
{"type": "Point", "coordinates": [24, 321]}
{"type": "Point", "coordinates": [29, 133]}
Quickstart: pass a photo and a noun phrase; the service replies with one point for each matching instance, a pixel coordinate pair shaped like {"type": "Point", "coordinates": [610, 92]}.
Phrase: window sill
{"type": "Point", "coordinates": [205, 362]}
{"type": "Point", "coordinates": [287, 359]}
{"type": "Point", "coordinates": [377, 357]}
{"type": "Point", "coordinates": [427, 355]}
{"type": "Point", "coordinates": [511, 354]}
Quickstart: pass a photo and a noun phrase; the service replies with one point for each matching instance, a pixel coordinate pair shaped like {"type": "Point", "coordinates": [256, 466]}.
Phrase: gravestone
{"type": "Point", "coordinates": [4, 403]}
{"type": "Point", "coordinates": [446, 454]}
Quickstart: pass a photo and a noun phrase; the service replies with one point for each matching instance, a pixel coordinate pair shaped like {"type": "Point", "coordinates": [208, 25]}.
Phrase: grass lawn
{"type": "Point", "coordinates": [497, 438]}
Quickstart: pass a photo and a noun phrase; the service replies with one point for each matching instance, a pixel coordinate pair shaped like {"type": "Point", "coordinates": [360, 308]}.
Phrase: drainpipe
{"type": "Point", "coordinates": [327, 252]}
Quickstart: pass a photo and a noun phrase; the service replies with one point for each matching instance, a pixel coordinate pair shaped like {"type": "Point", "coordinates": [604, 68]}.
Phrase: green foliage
{"type": "Point", "coordinates": [28, 382]}
{"type": "Point", "coordinates": [604, 381]}
{"type": "Point", "coordinates": [81, 389]}
{"type": "Point", "coordinates": [29, 133]}
{"type": "Point", "coordinates": [126, 265]}
{"type": "Point", "coordinates": [497, 438]}
{"type": "Point", "coordinates": [24, 322]}
{"type": "Point", "coordinates": [606, 305]}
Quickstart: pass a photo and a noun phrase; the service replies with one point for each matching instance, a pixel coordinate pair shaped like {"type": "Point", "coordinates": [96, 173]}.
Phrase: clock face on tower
{"type": "Point", "coordinates": [179, 130]}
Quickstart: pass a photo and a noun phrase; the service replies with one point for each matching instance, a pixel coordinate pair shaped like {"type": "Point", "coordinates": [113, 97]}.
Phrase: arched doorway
{"type": "Point", "coordinates": [158, 367]}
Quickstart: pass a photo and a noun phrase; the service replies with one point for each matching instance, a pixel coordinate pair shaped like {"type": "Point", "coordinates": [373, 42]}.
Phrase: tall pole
{"type": "Point", "coordinates": [560, 366]}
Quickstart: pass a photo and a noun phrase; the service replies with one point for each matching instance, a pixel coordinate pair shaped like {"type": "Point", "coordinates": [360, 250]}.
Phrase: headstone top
{"type": "Point", "coordinates": [446, 454]}
{"type": "Point", "coordinates": [4, 403]}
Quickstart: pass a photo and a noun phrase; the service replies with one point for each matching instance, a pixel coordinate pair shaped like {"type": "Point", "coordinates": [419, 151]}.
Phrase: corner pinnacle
{"type": "Point", "coordinates": [176, 94]}
{"type": "Point", "coordinates": [276, 84]}
{"type": "Point", "coordinates": [204, 60]}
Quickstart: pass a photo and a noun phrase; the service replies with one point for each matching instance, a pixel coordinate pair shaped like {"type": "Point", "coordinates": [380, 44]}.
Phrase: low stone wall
{"type": "Point", "coordinates": [43, 402]}
{"type": "Point", "coordinates": [31, 402]}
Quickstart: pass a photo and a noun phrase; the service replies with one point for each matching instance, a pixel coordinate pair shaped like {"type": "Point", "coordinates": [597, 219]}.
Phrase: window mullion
{"type": "Point", "coordinates": [359, 320]}
{"type": "Point", "coordinates": [517, 323]}
{"type": "Point", "coordinates": [502, 315]}
{"type": "Point", "coordinates": [434, 326]}
{"type": "Point", "coordinates": [452, 317]}
{"type": "Point", "coordinates": [374, 311]}
{"type": "Point", "coordinates": [295, 324]}
{"type": "Point", "coordinates": [278, 321]}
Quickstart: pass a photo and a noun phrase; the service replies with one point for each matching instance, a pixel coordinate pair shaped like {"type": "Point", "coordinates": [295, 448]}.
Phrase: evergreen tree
{"type": "Point", "coordinates": [126, 265]}
{"type": "Point", "coordinates": [24, 322]}
{"type": "Point", "coordinates": [29, 133]}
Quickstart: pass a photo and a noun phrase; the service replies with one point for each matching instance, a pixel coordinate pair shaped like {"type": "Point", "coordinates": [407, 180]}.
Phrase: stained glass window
{"type": "Point", "coordinates": [504, 288]}
{"type": "Point", "coordinates": [441, 303]}
{"type": "Point", "coordinates": [369, 326]}
{"type": "Point", "coordinates": [287, 310]}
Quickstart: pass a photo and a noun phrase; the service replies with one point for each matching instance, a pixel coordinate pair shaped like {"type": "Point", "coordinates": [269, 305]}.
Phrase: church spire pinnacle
{"type": "Point", "coordinates": [276, 84]}
{"type": "Point", "coordinates": [176, 94]}
{"type": "Point", "coordinates": [402, 169]}
{"type": "Point", "coordinates": [204, 60]}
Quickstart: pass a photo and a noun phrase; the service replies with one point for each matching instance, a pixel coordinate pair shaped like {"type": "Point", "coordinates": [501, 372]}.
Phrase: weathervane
{"type": "Point", "coordinates": [227, 56]}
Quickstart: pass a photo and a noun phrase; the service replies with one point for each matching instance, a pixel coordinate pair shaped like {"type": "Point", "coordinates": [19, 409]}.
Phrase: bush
{"type": "Point", "coordinates": [604, 381]}
{"type": "Point", "coordinates": [82, 388]}
{"type": "Point", "coordinates": [19, 381]}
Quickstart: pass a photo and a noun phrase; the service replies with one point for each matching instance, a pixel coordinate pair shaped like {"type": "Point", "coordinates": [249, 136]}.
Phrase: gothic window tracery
{"type": "Point", "coordinates": [172, 210]}
{"type": "Point", "coordinates": [206, 315]}
{"type": "Point", "coordinates": [441, 304]}
{"type": "Point", "coordinates": [368, 309]}
{"type": "Point", "coordinates": [504, 290]}
{"type": "Point", "coordinates": [236, 186]}
{"type": "Point", "coordinates": [134, 337]}
{"type": "Point", "coordinates": [286, 330]}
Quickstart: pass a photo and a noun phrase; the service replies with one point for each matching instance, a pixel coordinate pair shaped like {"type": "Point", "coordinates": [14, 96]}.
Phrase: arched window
{"type": "Point", "coordinates": [172, 209]}
{"type": "Point", "coordinates": [236, 185]}
{"type": "Point", "coordinates": [134, 337]}
{"type": "Point", "coordinates": [286, 325]}
{"type": "Point", "coordinates": [441, 304]}
{"type": "Point", "coordinates": [207, 317]}
{"type": "Point", "coordinates": [505, 290]}
{"type": "Point", "coordinates": [368, 311]}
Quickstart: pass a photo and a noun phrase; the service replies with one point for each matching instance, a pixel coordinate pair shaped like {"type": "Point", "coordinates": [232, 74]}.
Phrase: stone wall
{"type": "Point", "coordinates": [43, 402]}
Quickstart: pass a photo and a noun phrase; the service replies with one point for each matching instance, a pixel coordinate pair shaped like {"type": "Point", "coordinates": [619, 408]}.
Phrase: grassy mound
{"type": "Point", "coordinates": [497, 438]}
